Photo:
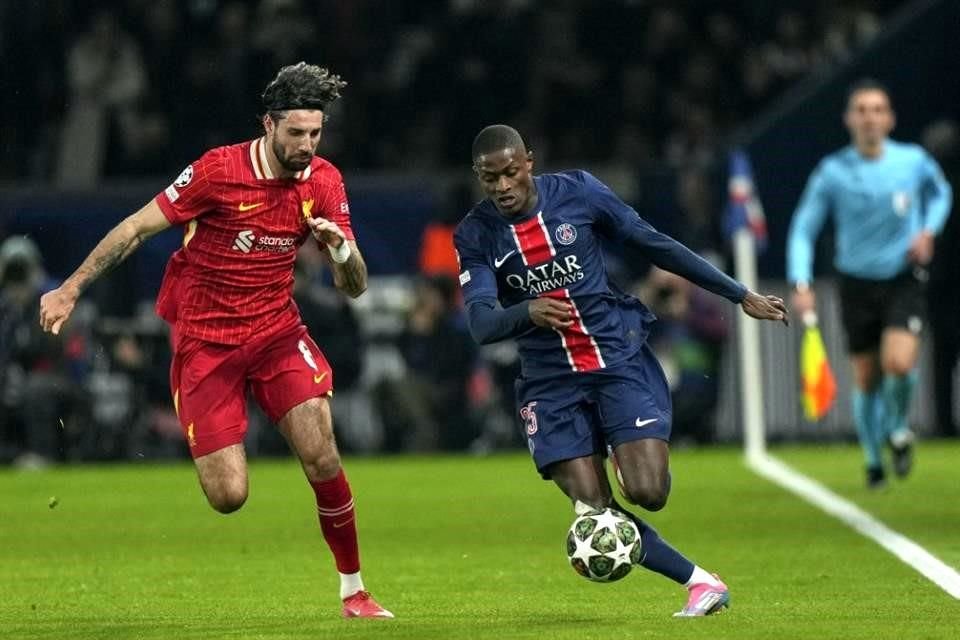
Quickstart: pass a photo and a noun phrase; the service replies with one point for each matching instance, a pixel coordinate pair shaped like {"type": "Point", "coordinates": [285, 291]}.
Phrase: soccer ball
{"type": "Point", "coordinates": [603, 545]}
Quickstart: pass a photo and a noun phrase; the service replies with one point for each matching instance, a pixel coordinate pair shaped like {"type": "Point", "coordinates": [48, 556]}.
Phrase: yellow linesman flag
{"type": "Point", "coordinates": [819, 384]}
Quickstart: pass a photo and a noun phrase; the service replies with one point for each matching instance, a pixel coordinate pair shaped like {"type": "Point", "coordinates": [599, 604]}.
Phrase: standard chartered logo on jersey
{"type": "Point", "coordinates": [555, 274]}
{"type": "Point", "coordinates": [247, 241]}
{"type": "Point", "coordinates": [244, 241]}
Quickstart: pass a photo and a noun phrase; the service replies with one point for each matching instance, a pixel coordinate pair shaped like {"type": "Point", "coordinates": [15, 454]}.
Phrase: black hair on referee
{"type": "Point", "coordinates": [866, 84]}
{"type": "Point", "coordinates": [300, 86]}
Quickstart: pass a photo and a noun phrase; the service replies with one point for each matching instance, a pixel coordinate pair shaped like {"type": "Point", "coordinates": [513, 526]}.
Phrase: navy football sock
{"type": "Point", "coordinates": [658, 555]}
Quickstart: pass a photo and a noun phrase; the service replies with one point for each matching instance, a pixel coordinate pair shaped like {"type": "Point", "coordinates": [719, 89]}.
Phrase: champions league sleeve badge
{"type": "Point", "coordinates": [185, 177]}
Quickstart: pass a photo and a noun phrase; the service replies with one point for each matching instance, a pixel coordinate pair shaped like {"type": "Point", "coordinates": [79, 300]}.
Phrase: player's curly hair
{"type": "Point", "coordinates": [301, 86]}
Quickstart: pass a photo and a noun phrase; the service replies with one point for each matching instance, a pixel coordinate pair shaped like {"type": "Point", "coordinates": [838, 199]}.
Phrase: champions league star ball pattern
{"type": "Point", "coordinates": [603, 545]}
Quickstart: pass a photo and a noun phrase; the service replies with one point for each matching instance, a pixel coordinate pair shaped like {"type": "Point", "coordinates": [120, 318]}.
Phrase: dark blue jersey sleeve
{"type": "Point", "coordinates": [488, 323]}
{"type": "Point", "coordinates": [618, 221]}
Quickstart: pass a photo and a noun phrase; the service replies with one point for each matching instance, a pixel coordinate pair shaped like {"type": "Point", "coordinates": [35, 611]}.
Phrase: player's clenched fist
{"type": "Point", "coordinates": [550, 313]}
{"type": "Point", "coordinates": [326, 231]}
{"type": "Point", "coordinates": [55, 307]}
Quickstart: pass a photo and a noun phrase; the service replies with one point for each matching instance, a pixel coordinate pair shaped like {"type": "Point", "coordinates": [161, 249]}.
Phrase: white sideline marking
{"type": "Point", "coordinates": [907, 550]}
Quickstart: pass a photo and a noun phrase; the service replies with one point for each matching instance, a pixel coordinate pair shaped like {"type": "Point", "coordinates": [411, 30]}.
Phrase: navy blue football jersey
{"type": "Point", "coordinates": [555, 250]}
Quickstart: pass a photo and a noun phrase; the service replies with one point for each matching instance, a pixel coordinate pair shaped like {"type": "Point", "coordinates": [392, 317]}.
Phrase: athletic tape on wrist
{"type": "Point", "coordinates": [341, 253]}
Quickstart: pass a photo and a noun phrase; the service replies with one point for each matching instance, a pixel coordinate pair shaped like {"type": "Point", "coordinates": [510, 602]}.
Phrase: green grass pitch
{"type": "Point", "coordinates": [463, 548]}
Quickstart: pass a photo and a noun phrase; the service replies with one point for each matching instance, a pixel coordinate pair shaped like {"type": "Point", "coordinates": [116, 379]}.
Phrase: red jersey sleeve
{"type": "Point", "coordinates": [193, 192]}
{"type": "Point", "coordinates": [332, 196]}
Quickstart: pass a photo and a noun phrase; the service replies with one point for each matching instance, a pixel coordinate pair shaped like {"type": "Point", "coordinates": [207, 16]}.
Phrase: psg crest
{"type": "Point", "coordinates": [566, 233]}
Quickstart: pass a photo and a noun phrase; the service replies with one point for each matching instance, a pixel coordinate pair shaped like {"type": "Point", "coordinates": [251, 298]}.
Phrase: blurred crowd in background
{"type": "Point", "coordinates": [135, 89]}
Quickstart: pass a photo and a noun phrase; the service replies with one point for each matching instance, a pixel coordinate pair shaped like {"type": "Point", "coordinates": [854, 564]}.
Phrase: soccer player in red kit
{"type": "Point", "coordinates": [246, 209]}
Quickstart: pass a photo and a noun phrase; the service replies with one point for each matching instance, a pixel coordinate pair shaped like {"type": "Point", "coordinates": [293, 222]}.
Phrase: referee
{"type": "Point", "coordinates": [888, 201]}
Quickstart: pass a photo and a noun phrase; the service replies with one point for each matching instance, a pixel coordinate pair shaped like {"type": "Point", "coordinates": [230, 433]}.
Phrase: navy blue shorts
{"type": "Point", "coordinates": [580, 414]}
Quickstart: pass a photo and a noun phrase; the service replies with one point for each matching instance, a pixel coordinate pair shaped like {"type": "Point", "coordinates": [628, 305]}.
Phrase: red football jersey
{"type": "Point", "coordinates": [233, 277]}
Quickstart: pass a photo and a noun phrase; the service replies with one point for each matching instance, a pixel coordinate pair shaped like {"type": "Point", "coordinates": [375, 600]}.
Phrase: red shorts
{"type": "Point", "coordinates": [210, 381]}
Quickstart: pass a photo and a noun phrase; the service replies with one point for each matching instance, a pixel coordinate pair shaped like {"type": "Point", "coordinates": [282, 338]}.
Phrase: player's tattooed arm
{"type": "Point", "coordinates": [57, 305]}
{"type": "Point", "coordinates": [350, 277]}
{"type": "Point", "coordinates": [118, 245]}
{"type": "Point", "coordinates": [112, 250]}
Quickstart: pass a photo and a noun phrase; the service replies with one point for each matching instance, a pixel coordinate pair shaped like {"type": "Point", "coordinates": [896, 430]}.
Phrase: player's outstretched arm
{"type": "Point", "coordinates": [57, 305]}
{"type": "Point", "coordinates": [349, 269]}
{"type": "Point", "coordinates": [764, 307]}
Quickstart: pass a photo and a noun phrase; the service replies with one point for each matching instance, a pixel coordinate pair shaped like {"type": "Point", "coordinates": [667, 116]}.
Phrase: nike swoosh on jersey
{"type": "Point", "coordinates": [243, 206]}
{"type": "Point", "coordinates": [318, 379]}
{"type": "Point", "coordinates": [498, 262]}
{"type": "Point", "coordinates": [642, 423]}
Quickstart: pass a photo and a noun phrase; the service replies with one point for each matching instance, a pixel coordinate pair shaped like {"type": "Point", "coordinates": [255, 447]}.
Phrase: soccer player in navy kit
{"type": "Point", "coordinates": [588, 379]}
{"type": "Point", "coordinates": [888, 200]}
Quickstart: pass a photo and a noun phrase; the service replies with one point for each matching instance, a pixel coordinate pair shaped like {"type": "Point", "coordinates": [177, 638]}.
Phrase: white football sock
{"type": "Point", "coordinates": [700, 576]}
{"type": "Point", "coordinates": [581, 508]}
{"type": "Point", "coordinates": [350, 583]}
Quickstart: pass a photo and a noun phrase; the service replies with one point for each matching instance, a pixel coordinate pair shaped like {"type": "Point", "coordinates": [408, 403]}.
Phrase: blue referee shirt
{"type": "Point", "coordinates": [878, 206]}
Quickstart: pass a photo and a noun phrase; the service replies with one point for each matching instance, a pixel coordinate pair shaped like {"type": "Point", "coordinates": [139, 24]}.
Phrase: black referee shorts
{"type": "Point", "coordinates": [870, 306]}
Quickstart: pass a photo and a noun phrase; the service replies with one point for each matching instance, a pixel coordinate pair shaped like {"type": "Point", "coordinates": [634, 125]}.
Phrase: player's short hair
{"type": "Point", "coordinates": [495, 138]}
{"type": "Point", "coordinates": [301, 86]}
{"type": "Point", "coordinates": [867, 84]}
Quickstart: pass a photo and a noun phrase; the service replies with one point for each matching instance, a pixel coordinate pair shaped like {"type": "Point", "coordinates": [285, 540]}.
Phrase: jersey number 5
{"type": "Point", "coordinates": [529, 417]}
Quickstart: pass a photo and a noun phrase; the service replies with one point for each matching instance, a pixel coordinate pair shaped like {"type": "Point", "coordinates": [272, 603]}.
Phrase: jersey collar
{"type": "Point", "coordinates": [261, 168]}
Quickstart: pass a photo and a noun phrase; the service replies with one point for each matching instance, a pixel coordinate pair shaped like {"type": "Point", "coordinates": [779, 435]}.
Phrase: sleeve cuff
{"type": "Point", "coordinates": [164, 203]}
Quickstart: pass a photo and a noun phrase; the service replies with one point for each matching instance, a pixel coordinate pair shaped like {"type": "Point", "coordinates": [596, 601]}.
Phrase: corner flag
{"type": "Point", "coordinates": [819, 384]}
{"type": "Point", "coordinates": [743, 207]}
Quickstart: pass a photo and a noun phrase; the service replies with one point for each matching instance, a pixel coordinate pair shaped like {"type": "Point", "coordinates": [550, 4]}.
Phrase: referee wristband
{"type": "Point", "coordinates": [341, 253]}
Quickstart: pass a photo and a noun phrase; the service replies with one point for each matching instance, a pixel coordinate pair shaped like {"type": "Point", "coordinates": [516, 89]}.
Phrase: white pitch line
{"type": "Point", "coordinates": [907, 550]}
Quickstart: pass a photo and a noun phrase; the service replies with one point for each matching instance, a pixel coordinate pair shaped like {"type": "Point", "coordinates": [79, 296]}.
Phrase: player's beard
{"type": "Point", "coordinates": [288, 163]}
